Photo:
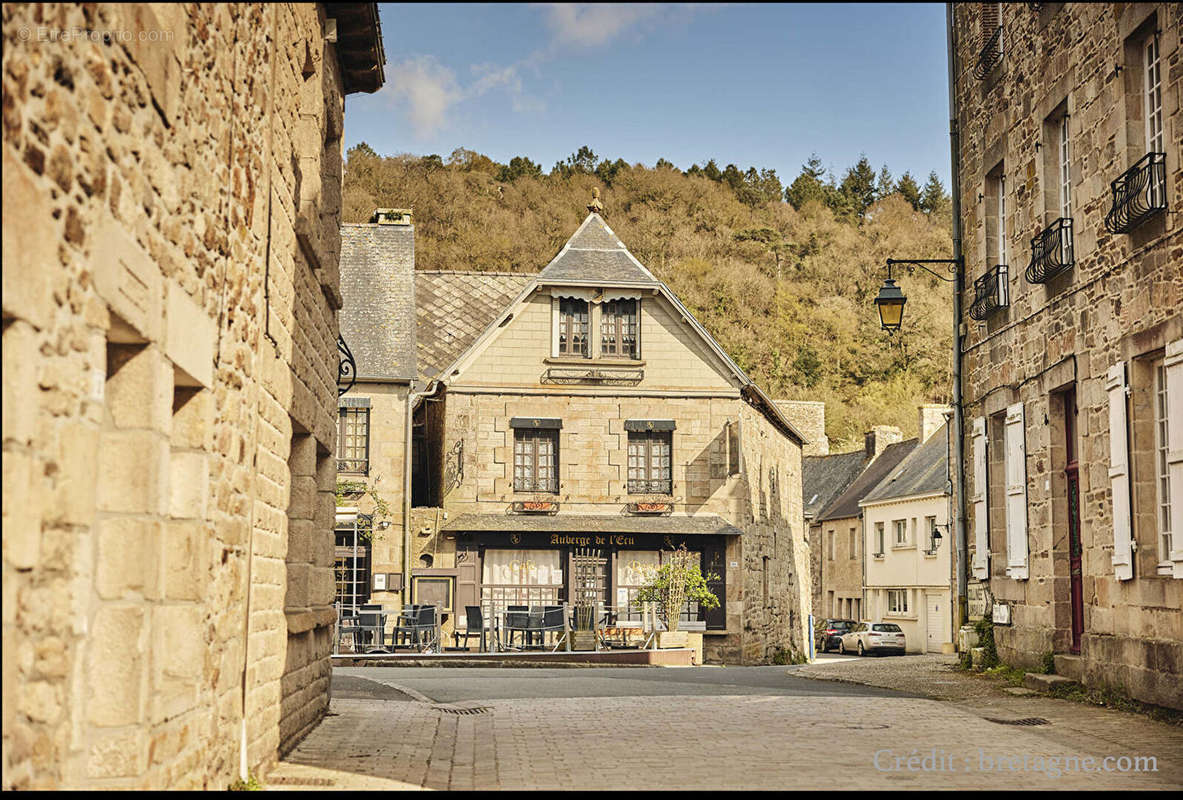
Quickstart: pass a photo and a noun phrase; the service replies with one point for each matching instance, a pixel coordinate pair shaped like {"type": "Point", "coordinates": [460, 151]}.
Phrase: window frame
{"type": "Point", "coordinates": [880, 538]}
{"type": "Point", "coordinates": [343, 439]}
{"type": "Point", "coordinates": [1152, 110]}
{"type": "Point", "coordinates": [903, 607]}
{"type": "Point", "coordinates": [526, 444]}
{"type": "Point", "coordinates": [617, 325]}
{"type": "Point", "coordinates": [899, 526]}
{"type": "Point", "coordinates": [566, 318]}
{"type": "Point", "coordinates": [647, 440]}
{"type": "Point", "coordinates": [1163, 535]}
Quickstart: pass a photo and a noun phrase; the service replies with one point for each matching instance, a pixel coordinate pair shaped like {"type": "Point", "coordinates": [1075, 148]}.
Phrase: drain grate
{"type": "Point", "coordinates": [464, 711]}
{"type": "Point", "coordinates": [297, 781]}
{"type": "Point", "coordinates": [1028, 721]}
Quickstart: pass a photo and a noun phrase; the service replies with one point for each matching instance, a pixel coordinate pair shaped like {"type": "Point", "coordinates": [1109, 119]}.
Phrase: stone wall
{"type": "Point", "coordinates": [171, 199]}
{"type": "Point", "coordinates": [1119, 304]}
{"type": "Point", "coordinates": [842, 575]}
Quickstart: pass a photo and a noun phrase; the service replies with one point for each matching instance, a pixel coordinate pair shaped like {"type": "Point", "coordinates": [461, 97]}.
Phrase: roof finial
{"type": "Point", "coordinates": [595, 206]}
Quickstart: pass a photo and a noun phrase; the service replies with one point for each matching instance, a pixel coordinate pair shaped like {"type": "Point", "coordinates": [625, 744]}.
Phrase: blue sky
{"type": "Point", "coordinates": [759, 84]}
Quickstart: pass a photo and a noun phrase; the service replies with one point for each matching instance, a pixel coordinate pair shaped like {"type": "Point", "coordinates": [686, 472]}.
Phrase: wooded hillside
{"type": "Point", "coordinates": [784, 278]}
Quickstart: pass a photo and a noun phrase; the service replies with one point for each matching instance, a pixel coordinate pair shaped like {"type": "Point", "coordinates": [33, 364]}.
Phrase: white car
{"type": "Point", "coordinates": [873, 637]}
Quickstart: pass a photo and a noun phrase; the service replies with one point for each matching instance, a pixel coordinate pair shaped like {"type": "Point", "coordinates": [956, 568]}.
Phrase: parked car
{"type": "Point", "coordinates": [873, 637]}
{"type": "Point", "coordinates": [828, 630]}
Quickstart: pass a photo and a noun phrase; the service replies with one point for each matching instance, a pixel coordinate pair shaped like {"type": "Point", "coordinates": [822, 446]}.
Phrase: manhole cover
{"type": "Point", "coordinates": [295, 781]}
{"type": "Point", "coordinates": [464, 711]}
{"type": "Point", "coordinates": [1025, 721]}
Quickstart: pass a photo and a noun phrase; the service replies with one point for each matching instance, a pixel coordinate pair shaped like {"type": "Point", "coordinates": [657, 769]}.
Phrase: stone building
{"type": "Point", "coordinates": [584, 407]}
{"type": "Point", "coordinates": [836, 532]}
{"type": "Point", "coordinates": [1071, 185]}
{"type": "Point", "coordinates": [172, 184]}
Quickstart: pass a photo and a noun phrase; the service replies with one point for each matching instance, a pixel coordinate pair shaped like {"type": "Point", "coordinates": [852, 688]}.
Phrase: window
{"type": "Point", "coordinates": [1065, 170]}
{"type": "Point", "coordinates": [573, 327]}
{"type": "Point", "coordinates": [878, 538]}
{"type": "Point", "coordinates": [930, 529]}
{"type": "Point", "coordinates": [635, 568]}
{"type": "Point", "coordinates": [535, 460]}
{"type": "Point", "coordinates": [995, 208]}
{"type": "Point", "coordinates": [351, 565]}
{"type": "Point", "coordinates": [618, 329]}
{"type": "Point", "coordinates": [353, 441]}
{"type": "Point", "coordinates": [520, 577]}
{"type": "Point", "coordinates": [897, 601]}
{"type": "Point", "coordinates": [1162, 475]}
{"type": "Point", "coordinates": [1002, 256]}
{"type": "Point", "coordinates": [853, 544]}
{"type": "Point", "coordinates": [833, 546]}
{"type": "Point", "coordinates": [649, 462]}
{"type": "Point", "coordinates": [1153, 110]}
{"type": "Point", "coordinates": [900, 528]}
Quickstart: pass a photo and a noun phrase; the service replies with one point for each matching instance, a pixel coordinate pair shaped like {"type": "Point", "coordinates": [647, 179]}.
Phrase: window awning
{"type": "Point", "coordinates": [649, 425]}
{"type": "Point", "coordinates": [552, 423]}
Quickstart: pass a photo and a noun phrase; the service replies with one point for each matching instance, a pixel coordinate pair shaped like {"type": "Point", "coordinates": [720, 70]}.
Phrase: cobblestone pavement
{"type": "Point", "coordinates": [769, 740]}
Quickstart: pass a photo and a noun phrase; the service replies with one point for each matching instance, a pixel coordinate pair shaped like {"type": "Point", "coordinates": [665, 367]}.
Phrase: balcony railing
{"type": "Point", "coordinates": [990, 56]}
{"type": "Point", "coordinates": [1051, 252]}
{"type": "Point", "coordinates": [1138, 194]}
{"type": "Point", "coordinates": [353, 466]}
{"type": "Point", "coordinates": [651, 487]}
{"type": "Point", "coordinates": [991, 292]}
{"type": "Point", "coordinates": [545, 484]}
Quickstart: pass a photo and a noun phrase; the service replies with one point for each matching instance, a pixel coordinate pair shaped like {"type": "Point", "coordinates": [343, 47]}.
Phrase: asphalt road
{"type": "Point", "coordinates": [455, 684]}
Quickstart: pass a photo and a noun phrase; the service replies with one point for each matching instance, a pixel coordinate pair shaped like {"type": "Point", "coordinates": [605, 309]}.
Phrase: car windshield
{"type": "Point", "coordinates": [886, 628]}
{"type": "Point", "coordinates": [840, 623]}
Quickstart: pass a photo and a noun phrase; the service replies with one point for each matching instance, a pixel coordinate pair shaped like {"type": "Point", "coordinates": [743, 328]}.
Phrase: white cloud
{"type": "Point", "coordinates": [428, 89]}
{"type": "Point", "coordinates": [595, 24]}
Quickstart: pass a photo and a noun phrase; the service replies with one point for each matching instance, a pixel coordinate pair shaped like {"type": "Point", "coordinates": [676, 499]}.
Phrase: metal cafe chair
{"type": "Point", "coordinates": [551, 621]}
{"type": "Point", "coordinates": [406, 627]}
{"type": "Point", "coordinates": [372, 622]}
{"type": "Point", "coordinates": [474, 626]}
{"type": "Point", "coordinates": [517, 620]}
{"type": "Point", "coordinates": [427, 627]}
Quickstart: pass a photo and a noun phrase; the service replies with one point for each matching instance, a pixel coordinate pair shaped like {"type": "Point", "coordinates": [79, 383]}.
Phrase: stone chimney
{"type": "Point", "coordinates": [879, 437]}
{"type": "Point", "coordinates": [932, 417]}
{"type": "Point", "coordinates": [809, 417]}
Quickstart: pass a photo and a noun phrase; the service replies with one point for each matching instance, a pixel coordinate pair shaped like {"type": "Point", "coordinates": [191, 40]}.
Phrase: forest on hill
{"type": "Point", "coordinates": [784, 277]}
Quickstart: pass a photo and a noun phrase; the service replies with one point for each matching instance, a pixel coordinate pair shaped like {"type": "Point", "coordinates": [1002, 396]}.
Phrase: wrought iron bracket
{"type": "Point", "coordinates": [346, 367]}
{"type": "Point", "coordinates": [950, 263]}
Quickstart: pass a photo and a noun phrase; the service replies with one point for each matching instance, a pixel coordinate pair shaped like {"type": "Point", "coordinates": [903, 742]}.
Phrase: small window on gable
{"type": "Point", "coordinates": [619, 327]}
{"type": "Point", "coordinates": [573, 328]}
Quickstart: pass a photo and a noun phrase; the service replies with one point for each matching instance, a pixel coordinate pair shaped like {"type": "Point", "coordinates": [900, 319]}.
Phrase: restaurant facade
{"type": "Point", "coordinates": [568, 430]}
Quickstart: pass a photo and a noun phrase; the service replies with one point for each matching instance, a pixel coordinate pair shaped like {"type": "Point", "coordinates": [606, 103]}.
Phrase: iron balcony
{"type": "Point", "coordinates": [991, 292]}
{"type": "Point", "coordinates": [990, 56]}
{"type": "Point", "coordinates": [1138, 194]}
{"type": "Point", "coordinates": [1051, 252]}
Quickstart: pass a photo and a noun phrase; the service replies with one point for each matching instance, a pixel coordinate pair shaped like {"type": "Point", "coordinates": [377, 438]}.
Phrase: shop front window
{"type": "Point", "coordinates": [520, 577]}
{"type": "Point", "coordinates": [634, 569]}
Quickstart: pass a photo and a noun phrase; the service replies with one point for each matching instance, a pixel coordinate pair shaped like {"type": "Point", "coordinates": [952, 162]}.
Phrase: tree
{"type": "Point", "coordinates": [608, 170]}
{"type": "Point", "coordinates": [885, 185]}
{"type": "Point", "coordinates": [663, 164]}
{"type": "Point", "coordinates": [858, 188]}
{"type": "Point", "coordinates": [908, 189]}
{"type": "Point", "coordinates": [711, 170]}
{"type": "Point", "coordinates": [519, 167]}
{"type": "Point", "coordinates": [809, 185]}
{"type": "Point", "coordinates": [933, 198]}
{"type": "Point", "coordinates": [674, 583]}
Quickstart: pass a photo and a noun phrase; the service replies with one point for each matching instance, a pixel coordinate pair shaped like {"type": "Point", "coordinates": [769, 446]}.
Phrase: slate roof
{"type": "Point", "coordinates": [377, 290]}
{"type": "Point", "coordinates": [594, 254]}
{"type": "Point", "coordinates": [823, 477]}
{"type": "Point", "coordinates": [580, 523]}
{"type": "Point", "coordinates": [924, 471]}
{"type": "Point", "coordinates": [453, 308]}
{"type": "Point", "coordinates": [847, 503]}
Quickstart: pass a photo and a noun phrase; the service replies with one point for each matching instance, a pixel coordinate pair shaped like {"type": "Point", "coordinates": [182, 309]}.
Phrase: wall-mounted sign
{"type": "Point", "coordinates": [1001, 614]}
{"type": "Point", "coordinates": [650, 508]}
{"type": "Point", "coordinates": [536, 507]}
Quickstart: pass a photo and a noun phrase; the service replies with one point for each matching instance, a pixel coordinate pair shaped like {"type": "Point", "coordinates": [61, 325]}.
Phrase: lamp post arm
{"type": "Point", "coordinates": [951, 265]}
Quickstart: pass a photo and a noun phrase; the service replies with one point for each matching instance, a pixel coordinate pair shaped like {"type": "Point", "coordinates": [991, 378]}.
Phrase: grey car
{"type": "Point", "coordinates": [874, 638]}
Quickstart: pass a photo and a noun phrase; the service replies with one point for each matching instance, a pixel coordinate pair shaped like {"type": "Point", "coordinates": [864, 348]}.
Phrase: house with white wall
{"type": "Point", "coordinates": [908, 565]}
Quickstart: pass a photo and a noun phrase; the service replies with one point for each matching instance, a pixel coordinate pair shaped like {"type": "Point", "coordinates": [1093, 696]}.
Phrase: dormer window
{"type": "Point", "coordinates": [618, 329]}
{"type": "Point", "coordinates": [573, 328]}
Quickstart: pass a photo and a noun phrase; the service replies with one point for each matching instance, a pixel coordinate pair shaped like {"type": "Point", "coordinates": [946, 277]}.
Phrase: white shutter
{"type": "Point", "coordinates": [1016, 493]}
{"type": "Point", "coordinates": [981, 562]}
{"type": "Point", "coordinates": [1119, 473]}
{"type": "Point", "coordinates": [1174, 370]}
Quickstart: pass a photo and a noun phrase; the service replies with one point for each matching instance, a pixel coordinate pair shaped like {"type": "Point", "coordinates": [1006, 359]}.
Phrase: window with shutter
{"type": "Point", "coordinates": [1016, 493]}
{"type": "Point", "coordinates": [1173, 405]}
{"type": "Point", "coordinates": [1119, 472]}
{"type": "Point", "coordinates": [981, 560]}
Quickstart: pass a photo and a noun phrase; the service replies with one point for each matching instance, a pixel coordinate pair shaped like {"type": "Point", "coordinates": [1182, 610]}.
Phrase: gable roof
{"type": "Point", "coordinates": [847, 503]}
{"type": "Point", "coordinates": [376, 318]}
{"type": "Point", "coordinates": [594, 254]}
{"type": "Point", "coordinates": [452, 309]}
{"type": "Point", "coordinates": [924, 471]}
{"type": "Point", "coordinates": [823, 477]}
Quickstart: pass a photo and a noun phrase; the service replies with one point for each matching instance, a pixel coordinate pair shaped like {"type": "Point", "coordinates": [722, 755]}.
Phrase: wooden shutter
{"type": "Point", "coordinates": [981, 560]}
{"type": "Point", "coordinates": [1016, 493]}
{"type": "Point", "coordinates": [1174, 369]}
{"type": "Point", "coordinates": [1119, 473]}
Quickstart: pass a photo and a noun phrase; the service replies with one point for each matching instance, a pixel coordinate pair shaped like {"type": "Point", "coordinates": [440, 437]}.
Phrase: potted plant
{"type": "Point", "coordinates": [674, 583]}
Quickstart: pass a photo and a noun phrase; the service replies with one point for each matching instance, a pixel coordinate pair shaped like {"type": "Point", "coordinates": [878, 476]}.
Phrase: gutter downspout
{"type": "Point", "coordinates": [412, 398]}
{"type": "Point", "coordinates": [962, 562]}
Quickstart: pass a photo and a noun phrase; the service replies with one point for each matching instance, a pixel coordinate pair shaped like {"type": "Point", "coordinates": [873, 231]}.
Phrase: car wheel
{"type": "Point", "coordinates": [861, 652]}
{"type": "Point", "coordinates": [841, 647]}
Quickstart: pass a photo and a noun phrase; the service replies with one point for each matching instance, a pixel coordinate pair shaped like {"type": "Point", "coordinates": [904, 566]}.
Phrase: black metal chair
{"type": "Point", "coordinates": [474, 626]}
{"type": "Point", "coordinates": [517, 620]}
{"type": "Point", "coordinates": [550, 620]}
{"type": "Point", "coordinates": [426, 627]}
{"type": "Point", "coordinates": [371, 624]}
{"type": "Point", "coordinates": [406, 627]}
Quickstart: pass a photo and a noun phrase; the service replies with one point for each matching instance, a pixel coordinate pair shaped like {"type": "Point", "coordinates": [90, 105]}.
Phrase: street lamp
{"type": "Point", "coordinates": [890, 301]}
